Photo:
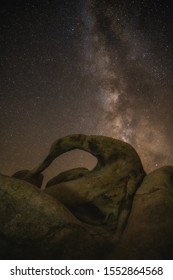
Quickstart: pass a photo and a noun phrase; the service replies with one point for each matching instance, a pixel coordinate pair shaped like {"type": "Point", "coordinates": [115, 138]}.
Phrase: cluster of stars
{"type": "Point", "coordinates": [92, 67]}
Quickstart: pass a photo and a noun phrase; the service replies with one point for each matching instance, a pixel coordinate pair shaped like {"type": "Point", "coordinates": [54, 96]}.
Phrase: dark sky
{"type": "Point", "coordinates": [92, 67]}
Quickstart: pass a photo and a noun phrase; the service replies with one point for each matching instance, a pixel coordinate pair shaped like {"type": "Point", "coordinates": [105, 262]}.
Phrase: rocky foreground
{"type": "Point", "coordinates": [114, 211]}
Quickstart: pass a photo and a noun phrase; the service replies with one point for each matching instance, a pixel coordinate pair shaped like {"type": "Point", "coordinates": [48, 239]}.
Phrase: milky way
{"type": "Point", "coordinates": [135, 88]}
{"type": "Point", "coordinates": [92, 67]}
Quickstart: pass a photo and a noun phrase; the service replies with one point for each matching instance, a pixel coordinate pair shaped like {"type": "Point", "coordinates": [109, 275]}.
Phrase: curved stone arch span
{"type": "Point", "coordinates": [109, 187]}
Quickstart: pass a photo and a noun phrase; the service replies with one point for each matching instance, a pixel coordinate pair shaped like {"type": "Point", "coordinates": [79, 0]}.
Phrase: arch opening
{"type": "Point", "coordinates": [69, 160]}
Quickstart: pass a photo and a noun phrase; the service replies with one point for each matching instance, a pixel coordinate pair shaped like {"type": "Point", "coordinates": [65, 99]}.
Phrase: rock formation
{"type": "Point", "coordinates": [27, 176]}
{"type": "Point", "coordinates": [148, 234]}
{"type": "Point", "coordinates": [33, 225]}
{"type": "Point", "coordinates": [114, 211]}
{"type": "Point", "coordinates": [106, 191]}
{"type": "Point", "coordinates": [68, 175]}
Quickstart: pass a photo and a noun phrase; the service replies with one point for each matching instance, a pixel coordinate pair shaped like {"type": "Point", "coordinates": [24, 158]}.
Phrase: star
{"type": "Point", "coordinates": [92, 67]}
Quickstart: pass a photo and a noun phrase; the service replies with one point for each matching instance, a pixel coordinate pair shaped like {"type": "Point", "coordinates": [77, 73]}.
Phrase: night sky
{"type": "Point", "coordinates": [93, 67]}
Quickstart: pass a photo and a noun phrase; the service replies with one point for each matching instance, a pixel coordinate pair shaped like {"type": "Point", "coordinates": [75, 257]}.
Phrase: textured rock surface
{"type": "Point", "coordinates": [149, 233]}
{"type": "Point", "coordinates": [111, 212]}
{"type": "Point", "coordinates": [33, 225]}
{"type": "Point", "coordinates": [104, 195]}
{"type": "Point", "coordinates": [69, 175]}
{"type": "Point", "coordinates": [26, 175]}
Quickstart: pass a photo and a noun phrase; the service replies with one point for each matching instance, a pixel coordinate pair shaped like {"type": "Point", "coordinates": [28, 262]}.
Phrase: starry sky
{"type": "Point", "coordinates": [93, 67]}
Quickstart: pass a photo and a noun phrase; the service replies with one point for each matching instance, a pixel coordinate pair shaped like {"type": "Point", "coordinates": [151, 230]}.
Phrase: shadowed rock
{"type": "Point", "coordinates": [26, 175]}
{"type": "Point", "coordinates": [107, 190]}
{"type": "Point", "coordinates": [33, 225]}
{"type": "Point", "coordinates": [107, 213]}
{"type": "Point", "coordinates": [69, 175]}
{"type": "Point", "coordinates": [148, 234]}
